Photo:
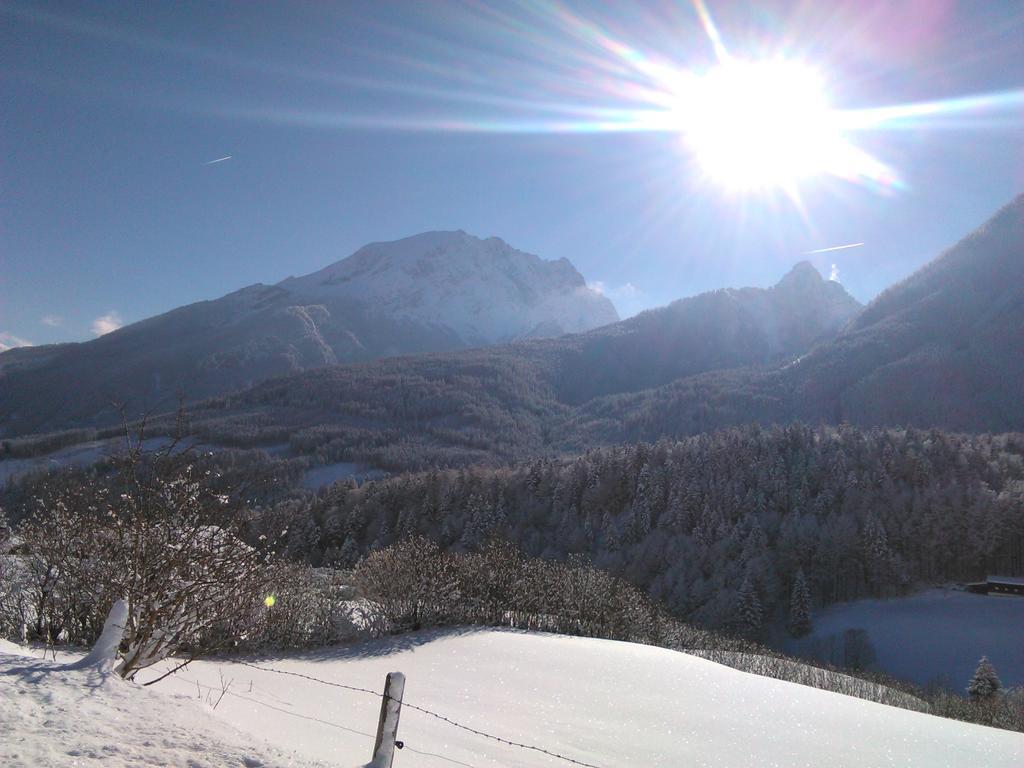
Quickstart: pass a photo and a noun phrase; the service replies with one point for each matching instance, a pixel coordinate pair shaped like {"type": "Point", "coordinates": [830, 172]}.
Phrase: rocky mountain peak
{"type": "Point", "coordinates": [802, 276]}
{"type": "Point", "coordinates": [483, 289]}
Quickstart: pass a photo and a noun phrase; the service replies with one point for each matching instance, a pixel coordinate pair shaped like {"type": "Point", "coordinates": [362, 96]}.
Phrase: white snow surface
{"type": "Point", "coordinates": [484, 290]}
{"type": "Point", "coordinates": [52, 715]}
{"type": "Point", "coordinates": [104, 653]}
{"type": "Point", "coordinates": [602, 702]}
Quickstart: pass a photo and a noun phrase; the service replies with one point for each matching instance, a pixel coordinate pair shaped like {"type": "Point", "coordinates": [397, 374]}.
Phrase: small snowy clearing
{"type": "Point", "coordinates": [328, 474]}
{"type": "Point", "coordinates": [84, 455]}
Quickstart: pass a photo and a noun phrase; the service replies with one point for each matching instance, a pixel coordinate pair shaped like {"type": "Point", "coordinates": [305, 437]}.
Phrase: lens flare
{"type": "Point", "coordinates": [758, 120]}
{"type": "Point", "coordinates": [763, 124]}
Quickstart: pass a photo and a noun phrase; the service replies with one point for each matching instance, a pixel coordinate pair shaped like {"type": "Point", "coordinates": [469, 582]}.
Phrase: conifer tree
{"type": "Point", "coordinates": [800, 606]}
{"type": "Point", "coordinates": [748, 607]}
{"type": "Point", "coordinates": [984, 683]}
{"type": "Point", "coordinates": [641, 521]}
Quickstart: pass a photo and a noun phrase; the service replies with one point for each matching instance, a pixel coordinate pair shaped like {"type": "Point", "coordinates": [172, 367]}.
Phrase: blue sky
{"type": "Point", "coordinates": [353, 122]}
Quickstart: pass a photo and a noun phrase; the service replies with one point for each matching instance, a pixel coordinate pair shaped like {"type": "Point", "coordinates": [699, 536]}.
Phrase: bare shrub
{"type": "Point", "coordinates": [307, 608]}
{"type": "Point", "coordinates": [412, 584]}
{"type": "Point", "coordinates": [155, 533]}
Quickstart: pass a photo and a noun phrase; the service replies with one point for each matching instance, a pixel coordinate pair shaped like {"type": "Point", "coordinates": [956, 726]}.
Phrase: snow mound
{"type": "Point", "coordinates": [52, 715]}
{"type": "Point", "coordinates": [11, 649]}
{"type": "Point", "coordinates": [601, 702]}
{"type": "Point", "coordinates": [104, 653]}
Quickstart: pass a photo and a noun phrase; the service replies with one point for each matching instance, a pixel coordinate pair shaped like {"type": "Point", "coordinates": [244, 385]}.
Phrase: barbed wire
{"type": "Point", "coordinates": [425, 711]}
{"type": "Point", "coordinates": [305, 677]}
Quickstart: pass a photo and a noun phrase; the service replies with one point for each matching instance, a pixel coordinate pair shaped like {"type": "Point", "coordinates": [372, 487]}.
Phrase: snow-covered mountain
{"type": "Point", "coordinates": [483, 290]}
{"type": "Point", "coordinates": [433, 292]}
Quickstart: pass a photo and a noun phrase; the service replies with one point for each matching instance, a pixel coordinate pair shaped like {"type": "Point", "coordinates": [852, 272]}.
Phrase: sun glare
{"type": "Point", "coordinates": [762, 124]}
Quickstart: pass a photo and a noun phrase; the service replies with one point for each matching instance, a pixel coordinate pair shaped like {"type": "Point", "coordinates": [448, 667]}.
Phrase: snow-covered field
{"type": "Point", "coordinates": [51, 716]}
{"type": "Point", "coordinates": [81, 455]}
{"type": "Point", "coordinates": [86, 454]}
{"type": "Point", "coordinates": [327, 474]}
{"type": "Point", "coordinates": [938, 632]}
{"type": "Point", "coordinates": [600, 702]}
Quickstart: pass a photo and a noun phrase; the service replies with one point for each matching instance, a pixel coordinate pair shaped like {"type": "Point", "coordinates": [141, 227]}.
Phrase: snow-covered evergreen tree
{"type": "Point", "coordinates": [800, 606]}
{"type": "Point", "coordinates": [984, 683]}
{"type": "Point", "coordinates": [473, 530]}
{"type": "Point", "coordinates": [349, 553]}
{"type": "Point", "coordinates": [748, 607]}
{"type": "Point", "coordinates": [609, 532]}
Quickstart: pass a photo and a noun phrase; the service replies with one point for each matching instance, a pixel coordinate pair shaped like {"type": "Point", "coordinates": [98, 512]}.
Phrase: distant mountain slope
{"type": "Point", "coordinates": [432, 292]}
{"type": "Point", "coordinates": [943, 348]}
{"type": "Point", "coordinates": [713, 331]}
{"type": "Point", "coordinates": [511, 401]}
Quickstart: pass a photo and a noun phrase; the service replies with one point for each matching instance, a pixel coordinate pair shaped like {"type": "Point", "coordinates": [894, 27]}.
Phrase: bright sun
{"type": "Point", "coordinates": [762, 124]}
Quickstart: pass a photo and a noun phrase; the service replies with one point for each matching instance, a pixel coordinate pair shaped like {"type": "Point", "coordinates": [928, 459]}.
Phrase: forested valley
{"type": "Point", "coordinates": [718, 527]}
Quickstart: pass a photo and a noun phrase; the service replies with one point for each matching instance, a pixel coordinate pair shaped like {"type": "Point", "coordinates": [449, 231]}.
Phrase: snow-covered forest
{"type": "Point", "coordinates": [858, 513]}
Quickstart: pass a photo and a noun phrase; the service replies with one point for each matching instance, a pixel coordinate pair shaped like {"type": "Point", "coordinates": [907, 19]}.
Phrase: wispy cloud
{"type": "Point", "coordinates": [218, 160]}
{"type": "Point", "coordinates": [834, 248]}
{"type": "Point", "coordinates": [104, 324]}
{"type": "Point", "coordinates": [10, 341]}
{"type": "Point", "coordinates": [627, 298]}
{"type": "Point", "coordinates": [54, 321]}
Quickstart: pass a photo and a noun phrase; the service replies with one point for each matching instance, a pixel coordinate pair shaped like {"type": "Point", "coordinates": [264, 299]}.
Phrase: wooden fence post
{"type": "Point", "coordinates": [387, 727]}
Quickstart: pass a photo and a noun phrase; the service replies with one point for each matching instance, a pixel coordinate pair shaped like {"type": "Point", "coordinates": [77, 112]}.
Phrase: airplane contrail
{"type": "Point", "coordinates": [218, 160]}
{"type": "Point", "coordinates": [835, 248]}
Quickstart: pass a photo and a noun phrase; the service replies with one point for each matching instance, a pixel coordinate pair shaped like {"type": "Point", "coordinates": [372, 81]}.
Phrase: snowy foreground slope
{"type": "Point", "coordinates": [57, 717]}
{"type": "Point", "coordinates": [600, 702]}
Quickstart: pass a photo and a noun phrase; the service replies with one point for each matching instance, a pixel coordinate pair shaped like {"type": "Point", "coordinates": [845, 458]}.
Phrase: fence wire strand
{"type": "Point", "coordinates": [423, 710]}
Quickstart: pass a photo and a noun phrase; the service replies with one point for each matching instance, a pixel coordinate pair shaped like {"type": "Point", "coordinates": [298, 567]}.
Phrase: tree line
{"type": "Point", "coordinates": [734, 529]}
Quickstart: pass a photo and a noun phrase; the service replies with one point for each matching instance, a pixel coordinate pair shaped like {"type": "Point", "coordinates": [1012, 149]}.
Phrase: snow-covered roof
{"type": "Point", "coordinates": [1018, 580]}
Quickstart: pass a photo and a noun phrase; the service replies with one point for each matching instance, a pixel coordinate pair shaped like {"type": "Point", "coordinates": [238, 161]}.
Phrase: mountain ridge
{"type": "Point", "coordinates": [942, 348]}
{"type": "Point", "coordinates": [211, 347]}
{"type": "Point", "coordinates": [513, 401]}
{"type": "Point", "coordinates": [691, 367]}
{"type": "Point", "coordinates": [472, 285]}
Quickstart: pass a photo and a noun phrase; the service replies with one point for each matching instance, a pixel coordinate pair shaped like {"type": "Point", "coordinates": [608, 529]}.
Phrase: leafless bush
{"type": "Point", "coordinates": [309, 608]}
{"type": "Point", "coordinates": [1005, 710]}
{"type": "Point", "coordinates": [414, 584]}
{"type": "Point", "coordinates": [154, 533]}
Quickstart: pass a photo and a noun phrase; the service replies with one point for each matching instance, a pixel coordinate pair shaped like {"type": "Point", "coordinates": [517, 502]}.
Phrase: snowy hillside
{"type": "Point", "coordinates": [484, 290]}
{"type": "Point", "coordinates": [600, 702]}
{"type": "Point", "coordinates": [51, 716]}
